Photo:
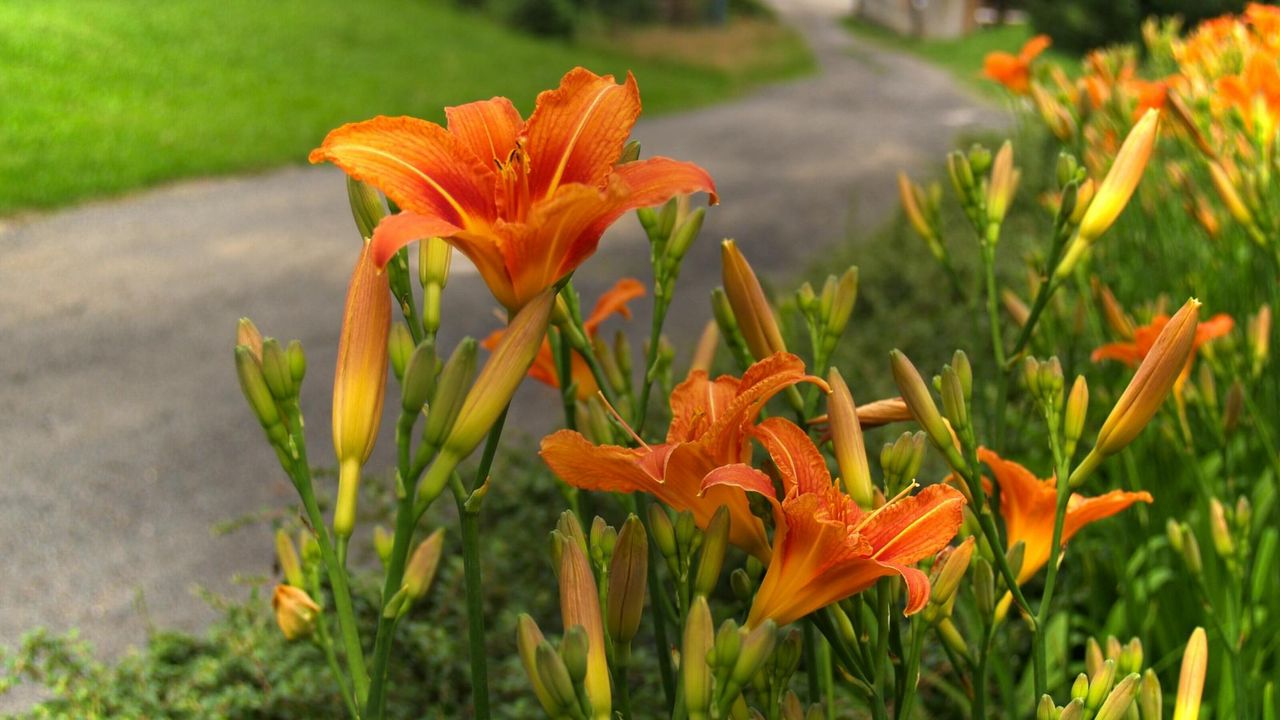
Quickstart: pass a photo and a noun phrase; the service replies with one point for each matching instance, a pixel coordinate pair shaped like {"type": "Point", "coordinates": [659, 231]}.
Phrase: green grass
{"type": "Point", "coordinates": [961, 56]}
{"type": "Point", "coordinates": [105, 96]}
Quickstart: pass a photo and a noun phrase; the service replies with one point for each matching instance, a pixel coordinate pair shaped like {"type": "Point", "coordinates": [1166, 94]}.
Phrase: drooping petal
{"type": "Point", "coordinates": [759, 383]}
{"type": "Point", "coordinates": [917, 587]}
{"type": "Point", "coordinates": [396, 231]}
{"type": "Point", "coordinates": [614, 300]}
{"type": "Point", "coordinates": [487, 128]}
{"type": "Point", "coordinates": [419, 165]}
{"type": "Point", "coordinates": [655, 180]}
{"type": "Point", "coordinates": [683, 488]}
{"type": "Point", "coordinates": [1081, 510]}
{"type": "Point", "coordinates": [1213, 328]}
{"type": "Point", "coordinates": [916, 527]}
{"type": "Point", "coordinates": [1128, 353]}
{"type": "Point", "coordinates": [798, 460]}
{"type": "Point", "coordinates": [577, 131]}
{"type": "Point", "coordinates": [608, 468]}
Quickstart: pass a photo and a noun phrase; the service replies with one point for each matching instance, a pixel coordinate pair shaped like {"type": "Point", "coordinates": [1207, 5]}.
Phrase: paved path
{"type": "Point", "coordinates": [123, 437]}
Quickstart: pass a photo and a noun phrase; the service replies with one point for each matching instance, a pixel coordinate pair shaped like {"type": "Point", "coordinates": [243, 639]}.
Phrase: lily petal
{"type": "Point", "coordinates": [798, 460]}
{"type": "Point", "coordinates": [608, 468]}
{"type": "Point", "coordinates": [916, 527]}
{"type": "Point", "coordinates": [487, 128]}
{"type": "Point", "coordinates": [614, 300]}
{"type": "Point", "coordinates": [396, 231]}
{"type": "Point", "coordinates": [577, 131]}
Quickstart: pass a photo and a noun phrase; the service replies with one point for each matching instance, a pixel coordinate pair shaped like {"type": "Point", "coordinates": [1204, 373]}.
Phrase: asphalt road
{"type": "Point", "coordinates": [123, 436]}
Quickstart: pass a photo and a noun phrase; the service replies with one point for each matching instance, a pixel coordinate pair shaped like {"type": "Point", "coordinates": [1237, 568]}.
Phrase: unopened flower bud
{"type": "Point", "coordinates": [683, 237]}
{"type": "Point", "coordinates": [846, 437]}
{"type": "Point", "coordinates": [1174, 532]}
{"type": "Point", "coordinates": [399, 348]}
{"type": "Point", "coordinates": [1220, 530]}
{"type": "Point", "coordinates": [953, 401]}
{"type": "Point", "coordinates": [1150, 698]}
{"type": "Point", "coordinates": [247, 334]}
{"type": "Point", "coordinates": [728, 644]}
{"type": "Point", "coordinates": [604, 538]}
{"type": "Point", "coordinates": [296, 612]}
{"type": "Point", "coordinates": [450, 390]}
{"type": "Point", "coordinates": [1147, 390]}
{"type": "Point", "coordinates": [953, 569]}
{"type": "Point", "coordinates": [554, 676]}
{"type": "Point", "coordinates": [500, 377]}
{"type": "Point", "coordinates": [630, 152]}
{"type": "Point", "coordinates": [1227, 192]}
{"type": "Point", "coordinates": [360, 381]}
{"type": "Point", "coordinates": [1046, 710]}
{"type": "Point", "coordinates": [698, 642]}
{"type": "Point", "coordinates": [367, 207]}
{"type": "Point", "coordinates": [297, 362]}
{"type": "Point", "coordinates": [757, 646]}
{"type": "Point", "coordinates": [1121, 699]}
{"type": "Point", "coordinates": [421, 568]}
{"type": "Point", "coordinates": [1191, 551]}
{"type": "Point", "coordinates": [383, 543]}
{"type": "Point", "coordinates": [1076, 412]}
{"type": "Point", "coordinates": [628, 581]}
{"type": "Point", "coordinates": [1259, 335]}
{"type": "Point", "coordinates": [751, 308]}
{"type": "Point", "coordinates": [916, 394]}
{"type": "Point", "coordinates": [979, 159]}
{"type": "Point", "coordinates": [419, 381]}
{"type": "Point", "coordinates": [254, 387]}
{"type": "Point", "coordinates": [1002, 184]}
{"type": "Point", "coordinates": [287, 556]}
{"type": "Point", "coordinates": [715, 542]}
{"type": "Point", "coordinates": [1015, 556]}
{"type": "Point", "coordinates": [961, 173]}
{"type": "Point", "coordinates": [1232, 408]}
{"type": "Point", "coordinates": [528, 639]}
{"type": "Point", "coordinates": [1131, 657]}
{"type": "Point", "coordinates": [1195, 661]}
{"type": "Point", "coordinates": [1074, 710]}
{"type": "Point", "coordinates": [1100, 685]}
{"type": "Point", "coordinates": [1080, 688]}
{"type": "Point", "coordinates": [573, 651]}
{"type": "Point", "coordinates": [580, 605]}
{"type": "Point", "coordinates": [984, 587]}
{"type": "Point", "coordinates": [664, 534]}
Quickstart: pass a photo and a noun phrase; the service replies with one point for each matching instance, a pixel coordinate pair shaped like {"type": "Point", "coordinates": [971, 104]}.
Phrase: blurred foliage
{"type": "Point", "coordinates": [1082, 25]}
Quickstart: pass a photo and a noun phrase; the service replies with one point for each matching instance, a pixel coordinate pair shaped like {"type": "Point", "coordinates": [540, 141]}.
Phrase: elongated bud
{"type": "Point", "coordinates": [1227, 192]}
{"type": "Point", "coordinates": [450, 390]}
{"type": "Point", "coordinates": [843, 300]}
{"type": "Point", "coordinates": [528, 638]}
{"type": "Point", "coordinates": [399, 348]}
{"type": "Point", "coordinates": [684, 235]}
{"type": "Point", "coordinates": [419, 378]}
{"type": "Point", "coordinates": [359, 381]}
{"type": "Point", "coordinates": [287, 556]}
{"type": "Point", "coordinates": [1002, 184]}
{"type": "Point", "coordinates": [247, 334]}
{"type": "Point", "coordinates": [1074, 710]}
{"type": "Point", "coordinates": [1146, 391]}
{"type": "Point", "coordinates": [1080, 688]}
{"type": "Point", "coordinates": [727, 645]}
{"type": "Point", "coordinates": [603, 540]}
{"type": "Point", "coordinates": [952, 571]}
{"type": "Point", "coordinates": [297, 362]}
{"type": "Point", "coordinates": [1219, 530]}
{"type": "Point", "coordinates": [1015, 556]}
{"type": "Point", "coordinates": [687, 535]}
{"type": "Point", "coordinates": [1121, 699]}
{"type": "Point", "coordinates": [1131, 656]}
{"type": "Point", "coordinates": [367, 207]}
{"type": "Point", "coordinates": [383, 543]}
{"type": "Point", "coordinates": [757, 646]}
{"type": "Point", "coordinates": [909, 194]}
{"type": "Point", "coordinates": [1076, 412]}
{"type": "Point", "coordinates": [705, 353]}
{"type": "Point", "coordinates": [1195, 661]}
{"type": "Point", "coordinates": [628, 581]}
{"type": "Point", "coordinates": [421, 569]}
{"type": "Point", "coordinates": [1191, 551]}
{"type": "Point", "coordinates": [1100, 685]}
{"type": "Point", "coordinates": [1150, 699]}
{"type": "Point", "coordinates": [501, 376]}
{"type": "Point", "coordinates": [916, 394]}
{"type": "Point", "coordinates": [580, 605]}
{"type": "Point", "coordinates": [953, 402]}
{"type": "Point", "coordinates": [254, 387]}
{"type": "Point", "coordinates": [296, 612]}
{"type": "Point", "coordinates": [846, 436]}
{"type": "Point", "coordinates": [750, 307]}
{"type": "Point", "coordinates": [1093, 657]}
{"type": "Point", "coordinates": [1046, 710]}
{"type": "Point", "coordinates": [961, 173]}
{"type": "Point", "coordinates": [554, 676]}
{"type": "Point", "coordinates": [1259, 335]}
{"type": "Point", "coordinates": [435, 257]}
{"type": "Point", "coordinates": [573, 650]}
{"type": "Point", "coordinates": [698, 641]}
{"type": "Point", "coordinates": [630, 152]}
{"type": "Point", "coordinates": [664, 534]}
{"type": "Point", "coordinates": [715, 542]}
{"type": "Point", "coordinates": [984, 587]}
{"type": "Point", "coordinates": [1122, 179]}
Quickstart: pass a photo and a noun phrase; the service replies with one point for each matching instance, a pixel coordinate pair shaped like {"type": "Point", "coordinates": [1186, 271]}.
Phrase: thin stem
{"type": "Point", "coordinates": [811, 664]}
{"type": "Point", "coordinates": [621, 664]}
{"type": "Point", "coordinates": [913, 671]}
{"type": "Point", "coordinates": [984, 655]}
{"type": "Point", "coordinates": [326, 644]}
{"type": "Point", "coordinates": [993, 302]}
{"type": "Point", "coordinates": [1040, 648]}
{"type": "Point", "coordinates": [661, 303]}
{"type": "Point", "coordinates": [665, 671]}
{"type": "Point", "coordinates": [469, 520]}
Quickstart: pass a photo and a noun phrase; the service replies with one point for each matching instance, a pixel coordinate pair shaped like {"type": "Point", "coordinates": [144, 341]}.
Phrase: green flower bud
{"type": "Point", "coordinates": [1073, 711]}
{"type": "Point", "coordinates": [918, 399]}
{"type": "Point", "coordinates": [451, 389]}
{"type": "Point", "coordinates": [573, 651]}
{"type": "Point", "coordinates": [728, 644]}
{"type": "Point", "coordinates": [297, 362]}
{"type": "Point", "coordinates": [984, 587]}
{"type": "Point", "coordinates": [399, 348]}
{"type": "Point", "coordinates": [664, 535]}
{"type": "Point", "coordinates": [628, 581]}
{"type": "Point", "coordinates": [682, 239]}
{"type": "Point", "coordinates": [1150, 698]}
{"type": "Point", "coordinates": [1100, 685]}
{"type": "Point", "coordinates": [1076, 412]}
{"type": "Point", "coordinates": [554, 676]}
{"type": "Point", "coordinates": [1080, 688]}
{"type": "Point", "coordinates": [367, 207]}
{"type": "Point", "coordinates": [254, 387]}
{"type": "Point", "coordinates": [630, 152]}
{"type": "Point", "coordinates": [714, 545]}
{"type": "Point", "coordinates": [1046, 710]}
{"type": "Point", "coordinates": [1120, 699]}
{"type": "Point", "coordinates": [698, 642]}
{"type": "Point", "coordinates": [528, 640]}
{"type": "Point", "coordinates": [741, 584]}
{"type": "Point", "coordinates": [419, 381]}
{"type": "Point", "coordinates": [421, 568]}
{"type": "Point", "coordinates": [275, 370]}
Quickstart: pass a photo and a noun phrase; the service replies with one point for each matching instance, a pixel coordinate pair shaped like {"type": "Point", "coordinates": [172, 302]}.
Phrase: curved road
{"type": "Point", "coordinates": [123, 436]}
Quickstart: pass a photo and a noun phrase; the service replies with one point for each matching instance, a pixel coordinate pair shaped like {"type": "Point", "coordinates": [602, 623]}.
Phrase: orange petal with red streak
{"type": "Point", "coordinates": [396, 231]}
{"type": "Point", "coordinates": [607, 468]}
{"type": "Point", "coordinates": [915, 527]}
{"type": "Point", "coordinates": [487, 128]}
{"type": "Point", "coordinates": [798, 460]}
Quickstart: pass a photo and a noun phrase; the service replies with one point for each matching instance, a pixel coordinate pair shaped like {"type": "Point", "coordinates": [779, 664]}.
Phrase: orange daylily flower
{"type": "Point", "coordinates": [544, 370]}
{"type": "Point", "coordinates": [825, 547]}
{"type": "Point", "coordinates": [1260, 80]}
{"type": "Point", "coordinates": [1014, 71]}
{"type": "Point", "coordinates": [1144, 338]}
{"type": "Point", "coordinates": [1028, 504]}
{"type": "Point", "coordinates": [525, 200]}
{"type": "Point", "coordinates": [710, 428]}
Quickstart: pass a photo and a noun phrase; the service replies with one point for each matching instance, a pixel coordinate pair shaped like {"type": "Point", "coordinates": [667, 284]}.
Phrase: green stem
{"type": "Point", "coordinates": [972, 478]}
{"type": "Point", "coordinates": [301, 475]}
{"type": "Point", "coordinates": [469, 520]}
{"type": "Point", "coordinates": [661, 303]}
{"type": "Point", "coordinates": [913, 671]}
{"type": "Point", "coordinates": [993, 302]}
{"type": "Point", "coordinates": [621, 664]}
{"type": "Point", "coordinates": [984, 655]}
{"type": "Point", "coordinates": [326, 644]}
{"type": "Point", "coordinates": [1040, 648]}
{"type": "Point", "coordinates": [811, 664]}
{"type": "Point", "coordinates": [665, 671]}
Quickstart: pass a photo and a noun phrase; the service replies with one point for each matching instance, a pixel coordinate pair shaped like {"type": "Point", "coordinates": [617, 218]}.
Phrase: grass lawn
{"type": "Point", "coordinates": [962, 56]}
{"type": "Point", "coordinates": [104, 96]}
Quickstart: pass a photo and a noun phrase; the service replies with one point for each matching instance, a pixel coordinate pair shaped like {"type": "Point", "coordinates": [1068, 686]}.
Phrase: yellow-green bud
{"type": "Point", "coordinates": [715, 542]}
{"type": "Point", "coordinates": [297, 362]}
{"type": "Point", "coordinates": [419, 378]}
{"type": "Point", "coordinates": [1073, 711]}
{"type": "Point", "coordinates": [953, 403]}
{"type": "Point", "coordinates": [287, 556]}
{"type": "Point", "coordinates": [757, 645]}
{"type": "Point", "coordinates": [1195, 661]}
{"type": "Point", "coordinates": [920, 402]}
{"type": "Point", "coordinates": [846, 437]}
{"type": "Point", "coordinates": [275, 370]}
{"type": "Point", "coordinates": [1074, 417]}
{"type": "Point", "coordinates": [1174, 531]}
{"type": "Point", "coordinates": [984, 587]}
{"type": "Point", "coordinates": [603, 538]}
{"type": "Point", "coordinates": [950, 571]}
{"type": "Point", "coordinates": [573, 650]}
{"type": "Point", "coordinates": [1046, 710]}
{"type": "Point", "coordinates": [1131, 657]}
{"type": "Point", "coordinates": [1100, 685]}
{"type": "Point", "coordinates": [979, 159]}
{"type": "Point", "coordinates": [1219, 529]}
{"type": "Point", "coordinates": [1191, 551]}
{"type": "Point", "coordinates": [554, 676]}
{"type": "Point", "coordinates": [698, 641]}
{"type": "Point", "coordinates": [399, 348]}
{"type": "Point", "coordinates": [1150, 699]}
{"type": "Point", "coordinates": [255, 390]}
{"type": "Point", "coordinates": [383, 543]}
{"type": "Point", "coordinates": [1015, 556]}
{"type": "Point", "coordinates": [628, 581]}
{"type": "Point", "coordinates": [528, 639]}
{"type": "Point", "coordinates": [1080, 688]}
{"type": "Point", "coordinates": [450, 390]}
{"type": "Point", "coordinates": [622, 353]}
{"type": "Point", "coordinates": [728, 643]}
{"type": "Point", "coordinates": [421, 568]}
{"type": "Point", "coordinates": [1093, 657]}
{"type": "Point", "coordinates": [843, 301]}
{"type": "Point", "coordinates": [740, 584]}
{"type": "Point", "coordinates": [683, 237]}
{"type": "Point", "coordinates": [367, 207]}
{"type": "Point", "coordinates": [1118, 702]}
{"type": "Point", "coordinates": [687, 537]}
{"type": "Point", "coordinates": [630, 152]}
{"type": "Point", "coordinates": [664, 535]}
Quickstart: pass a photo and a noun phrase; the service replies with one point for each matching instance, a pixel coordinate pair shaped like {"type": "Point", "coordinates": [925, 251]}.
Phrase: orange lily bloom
{"type": "Point", "coordinates": [544, 369]}
{"type": "Point", "coordinates": [1014, 71]}
{"type": "Point", "coordinates": [1144, 338]}
{"type": "Point", "coordinates": [525, 200]}
{"type": "Point", "coordinates": [1260, 79]}
{"type": "Point", "coordinates": [825, 547]}
{"type": "Point", "coordinates": [710, 428]}
{"type": "Point", "coordinates": [1028, 504]}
